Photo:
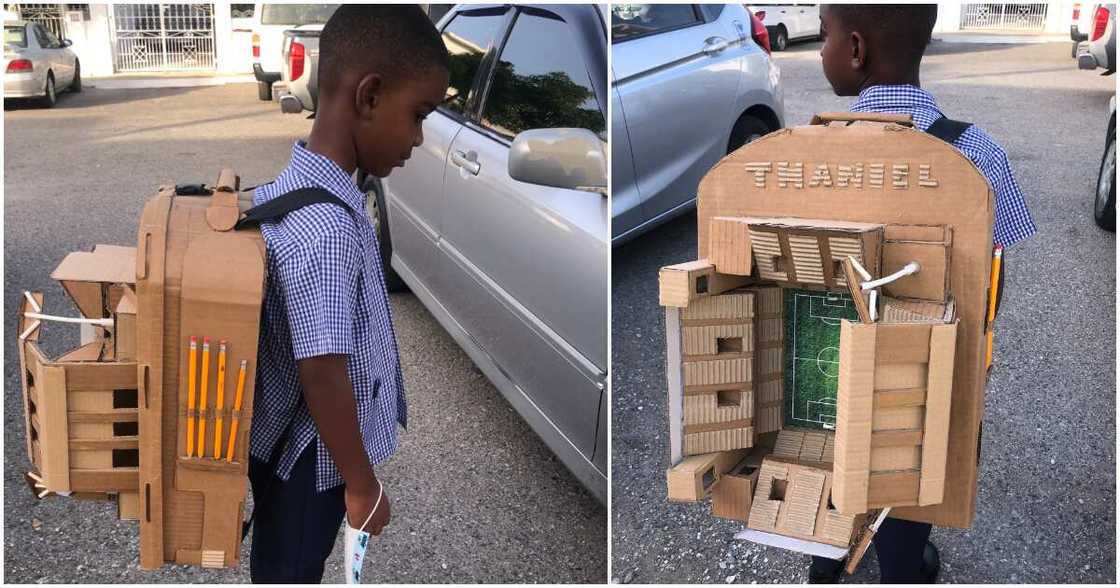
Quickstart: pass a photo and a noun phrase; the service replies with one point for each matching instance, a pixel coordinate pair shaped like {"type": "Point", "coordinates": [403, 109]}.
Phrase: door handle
{"type": "Point", "coordinates": [713, 45]}
{"type": "Point", "coordinates": [466, 160]}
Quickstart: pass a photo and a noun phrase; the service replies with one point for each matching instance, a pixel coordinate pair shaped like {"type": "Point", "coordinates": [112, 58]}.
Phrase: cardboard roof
{"type": "Point", "coordinates": [106, 263]}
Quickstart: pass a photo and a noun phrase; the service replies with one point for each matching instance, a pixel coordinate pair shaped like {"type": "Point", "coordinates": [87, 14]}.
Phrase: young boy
{"type": "Point", "coordinates": [329, 386]}
{"type": "Point", "coordinates": [875, 52]}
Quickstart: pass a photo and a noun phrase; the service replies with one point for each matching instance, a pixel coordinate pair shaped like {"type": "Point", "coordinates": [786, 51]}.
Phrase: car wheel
{"type": "Point", "coordinates": [49, 98]}
{"type": "Point", "coordinates": [1104, 206]}
{"type": "Point", "coordinates": [379, 215]}
{"type": "Point", "coordinates": [781, 39]}
{"type": "Point", "coordinates": [264, 91]}
{"type": "Point", "coordinates": [746, 129]}
{"type": "Point", "coordinates": [76, 85]}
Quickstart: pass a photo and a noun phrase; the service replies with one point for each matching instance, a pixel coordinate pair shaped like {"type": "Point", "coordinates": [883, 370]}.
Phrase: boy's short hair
{"type": "Point", "coordinates": [397, 41]}
{"type": "Point", "coordinates": [904, 28]}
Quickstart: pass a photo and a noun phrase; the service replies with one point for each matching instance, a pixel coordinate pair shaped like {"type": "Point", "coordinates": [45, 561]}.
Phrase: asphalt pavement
{"type": "Point", "coordinates": [1047, 489]}
{"type": "Point", "coordinates": [476, 495]}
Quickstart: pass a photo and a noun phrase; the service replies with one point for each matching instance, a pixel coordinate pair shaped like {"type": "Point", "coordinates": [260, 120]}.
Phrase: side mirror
{"type": "Point", "coordinates": [575, 159]}
{"type": "Point", "coordinates": [67, 42]}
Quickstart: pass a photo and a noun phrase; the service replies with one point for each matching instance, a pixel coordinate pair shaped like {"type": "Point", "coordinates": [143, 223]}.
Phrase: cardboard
{"type": "Point", "coordinates": [931, 247]}
{"type": "Point", "coordinates": [893, 408]}
{"type": "Point", "coordinates": [916, 311]}
{"type": "Point", "coordinates": [192, 507]}
{"type": "Point", "coordinates": [801, 252]}
{"type": "Point", "coordinates": [731, 246]}
{"type": "Point", "coordinates": [684, 282]}
{"type": "Point", "coordinates": [880, 171]}
{"type": "Point", "coordinates": [693, 478]}
{"type": "Point", "coordinates": [792, 500]}
{"type": "Point", "coordinates": [732, 492]}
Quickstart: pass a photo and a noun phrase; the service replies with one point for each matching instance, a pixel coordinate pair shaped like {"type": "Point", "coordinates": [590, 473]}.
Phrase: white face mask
{"type": "Point", "coordinates": [355, 545]}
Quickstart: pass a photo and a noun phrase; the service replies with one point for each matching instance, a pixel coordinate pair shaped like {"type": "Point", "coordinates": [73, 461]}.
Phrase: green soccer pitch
{"type": "Point", "coordinates": [812, 355]}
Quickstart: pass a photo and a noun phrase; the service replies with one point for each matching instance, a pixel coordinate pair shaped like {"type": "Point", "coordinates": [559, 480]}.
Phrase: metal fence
{"type": "Point", "coordinates": [163, 37]}
{"type": "Point", "coordinates": [51, 16]}
{"type": "Point", "coordinates": [1004, 17]}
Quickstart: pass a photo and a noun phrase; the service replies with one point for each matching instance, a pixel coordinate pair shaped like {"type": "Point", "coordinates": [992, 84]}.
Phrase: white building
{"type": "Point", "coordinates": [129, 38]}
{"type": "Point", "coordinates": [1044, 19]}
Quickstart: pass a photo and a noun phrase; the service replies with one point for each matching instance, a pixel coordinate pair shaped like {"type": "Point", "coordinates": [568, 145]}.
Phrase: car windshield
{"type": "Point", "coordinates": [15, 36]}
{"type": "Point", "coordinates": [296, 14]}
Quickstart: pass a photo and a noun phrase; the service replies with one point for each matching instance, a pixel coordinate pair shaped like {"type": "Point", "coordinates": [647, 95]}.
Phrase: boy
{"type": "Point", "coordinates": [875, 52]}
{"type": "Point", "coordinates": [330, 392]}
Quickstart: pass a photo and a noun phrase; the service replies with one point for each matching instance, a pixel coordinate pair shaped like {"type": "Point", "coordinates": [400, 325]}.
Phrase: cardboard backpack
{"type": "Point", "coordinates": [154, 410]}
{"type": "Point", "coordinates": [826, 351]}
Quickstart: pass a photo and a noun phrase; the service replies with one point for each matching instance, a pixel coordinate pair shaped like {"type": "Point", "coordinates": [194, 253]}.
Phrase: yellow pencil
{"type": "Point", "coordinates": [202, 396]}
{"type": "Point", "coordinates": [220, 405]}
{"type": "Point", "coordinates": [236, 411]}
{"type": "Point", "coordinates": [997, 259]}
{"type": "Point", "coordinates": [190, 396]}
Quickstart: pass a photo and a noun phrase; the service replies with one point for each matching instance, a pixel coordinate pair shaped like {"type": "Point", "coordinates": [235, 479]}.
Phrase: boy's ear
{"type": "Point", "coordinates": [367, 95]}
{"type": "Point", "coordinates": [857, 47]}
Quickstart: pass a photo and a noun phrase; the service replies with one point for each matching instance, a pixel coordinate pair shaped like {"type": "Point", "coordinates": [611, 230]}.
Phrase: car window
{"type": "Point", "coordinates": [52, 41]}
{"type": "Point", "coordinates": [468, 37]}
{"type": "Point", "coordinates": [15, 36]}
{"type": "Point", "coordinates": [535, 86]}
{"type": "Point", "coordinates": [41, 36]}
{"type": "Point", "coordinates": [712, 11]}
{"type": "Point", "coordinates": [638, 20]}
{"type": "Point", "coordinates": [296, 14]}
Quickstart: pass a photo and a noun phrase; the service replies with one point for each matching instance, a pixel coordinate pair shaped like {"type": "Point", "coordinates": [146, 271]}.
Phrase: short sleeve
{"type": "Point", "coordinates": [320, 284]}
{"type": "Point", "coordinates": [1013, 218]}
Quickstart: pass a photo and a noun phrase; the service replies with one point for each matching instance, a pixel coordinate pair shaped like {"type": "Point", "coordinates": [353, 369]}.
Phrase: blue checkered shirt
{"type": "Point", "coordinates": [325, 295]}
{"type": "Point", "coordinates": [1013, 220]}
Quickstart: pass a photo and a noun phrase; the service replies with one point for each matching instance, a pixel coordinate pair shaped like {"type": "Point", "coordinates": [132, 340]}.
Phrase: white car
{"type": "Point", "coordinates": [270, 22]}
{"type": "Point", "coordinates": [37, 64]}
{"type": "Point", "coordinates": [789, 22]}
{"type": "Point", "coordinates": [1094, 37]}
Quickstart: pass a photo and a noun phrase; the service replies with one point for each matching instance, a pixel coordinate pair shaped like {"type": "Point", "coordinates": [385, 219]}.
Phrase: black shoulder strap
{"type": "Point", "coordinates": [948, 130]}
{"type": "Point", "coordinates": [285, 203]}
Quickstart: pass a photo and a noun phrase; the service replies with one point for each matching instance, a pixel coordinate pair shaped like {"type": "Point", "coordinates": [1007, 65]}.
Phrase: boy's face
{"type": "Point", "coordinates": [843, 55]}
{"type": "Point", "coordinates": [385, 139]}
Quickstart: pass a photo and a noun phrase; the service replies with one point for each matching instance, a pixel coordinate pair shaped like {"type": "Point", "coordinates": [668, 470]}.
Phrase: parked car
{"type": "Point", "coordinates": [269, 23]}
{"type": "Point", "coordinates": [1097, 47]}
{"type": "Point", "coordinates": [1104, 205]}
{"type": "Point", "coordinates": [691, 83]}
{"type": "Point", "coordinates": [789, 22]}
{"type": "Point", "coordinates": [498, 223]}
{"type": "Point", "coordinates": [37, 64]}
{"type": "Point", "coordinates": [298, 87]}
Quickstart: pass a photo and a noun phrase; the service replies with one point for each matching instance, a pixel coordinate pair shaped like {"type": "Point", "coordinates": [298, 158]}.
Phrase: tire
{"type": "Point", "coordinates": [781, 39]}
{"type": "Point", "coordinates": [76, 83]}
{"type": "Point", "coordinates": [1104, 205]}
{"type": "Point", "coordinates": [50, 97]}
{"type": "Point", "coordinates": [746, 129]}
{"type": "Point", "coordinates": [375, 208]}
{"type": "Point", "coordinates": [264, 91]}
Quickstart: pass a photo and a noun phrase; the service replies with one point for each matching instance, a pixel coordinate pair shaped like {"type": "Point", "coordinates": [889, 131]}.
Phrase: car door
{"type": "Point", "coordinates": [678, 93]}
{"type": "Point", "coordinates": [529, 262]}
{"type": "Point", "coordinates": [414, 193]}
{"type": "Point", "coordinates": [808, 20]}
{"type": "Point", "coordinates": [626, 200]}
{"type": "Point", "coordinates": [55, 54]}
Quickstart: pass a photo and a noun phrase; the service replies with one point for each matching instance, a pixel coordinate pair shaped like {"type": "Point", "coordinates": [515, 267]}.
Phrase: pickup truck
{"type": "Point", "coordinates": [298, 87]}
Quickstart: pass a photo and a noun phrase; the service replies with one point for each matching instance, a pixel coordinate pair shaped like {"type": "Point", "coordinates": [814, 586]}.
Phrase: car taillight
{"type": "Point", "coordinates": [1076, 11]}
{"type": "Point", "coordinates": [297, 60]}
{"type": "Point", "coordinates": [761, 14]}
{"type": "Point", "coordinates": [760, 34]}
{"type": "Point", "coordinates": [20, 66]}
{"type": "Point", "coordinates": [256, 46]}
{"type": "Point", "coordinates": [1100, 23]}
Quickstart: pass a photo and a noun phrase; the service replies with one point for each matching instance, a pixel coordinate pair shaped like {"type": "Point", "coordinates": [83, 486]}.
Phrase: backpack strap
{"type": "Point", "coordinates": [285, 203]}
{"type": "Point", "coordinates": [947, 129]}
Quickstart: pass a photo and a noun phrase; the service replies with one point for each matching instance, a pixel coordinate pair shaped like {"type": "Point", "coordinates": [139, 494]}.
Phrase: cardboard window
{"type": "Point", "coordinates": [729, 345]}
{"type": "Point", "coordinates": [778, 489]}
{"type": "Point", "coordinates": [702, 285]}
{"type": "Point", "coordinates": [125, 399]}
{"type": "Point", "coordinates": [729, 398]}
{"type": "Point", "coordinates": [126, 458]}
{"type": "Point", "coordinates": [126, 429]}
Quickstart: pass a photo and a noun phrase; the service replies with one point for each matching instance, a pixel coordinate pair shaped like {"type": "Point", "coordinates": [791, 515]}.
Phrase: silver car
{"type": "Point", "coordinates": [37, 64]}
{"type": "Point", "coordinates": [691, 83]}
{"type": "Point", "coordinates": [498, 223]}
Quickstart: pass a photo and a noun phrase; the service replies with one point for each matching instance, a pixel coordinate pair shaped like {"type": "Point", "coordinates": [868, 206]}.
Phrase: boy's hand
{"type": "Point", "coordinates": [359, 502]}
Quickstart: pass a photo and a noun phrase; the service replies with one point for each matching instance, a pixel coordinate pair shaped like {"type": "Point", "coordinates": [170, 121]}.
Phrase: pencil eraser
{"type": "Point", "coordinates": [194, 339]}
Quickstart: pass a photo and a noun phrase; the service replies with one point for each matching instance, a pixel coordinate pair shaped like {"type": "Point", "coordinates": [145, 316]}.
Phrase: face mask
{"type": "Point", "coordinates": [355, 545]}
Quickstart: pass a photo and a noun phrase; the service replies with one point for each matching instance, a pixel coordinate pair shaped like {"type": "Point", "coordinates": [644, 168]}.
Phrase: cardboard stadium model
{"type": "Point", "coordinates": [838, 304]}
{"type": "Point", "coordinates": [154, 410]}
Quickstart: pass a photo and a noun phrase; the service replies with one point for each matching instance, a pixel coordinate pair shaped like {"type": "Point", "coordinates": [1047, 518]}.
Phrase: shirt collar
{"type": "Point", "coordinates": [896, 98]}
{"type": "Point", "coordinates": [323, 172]}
